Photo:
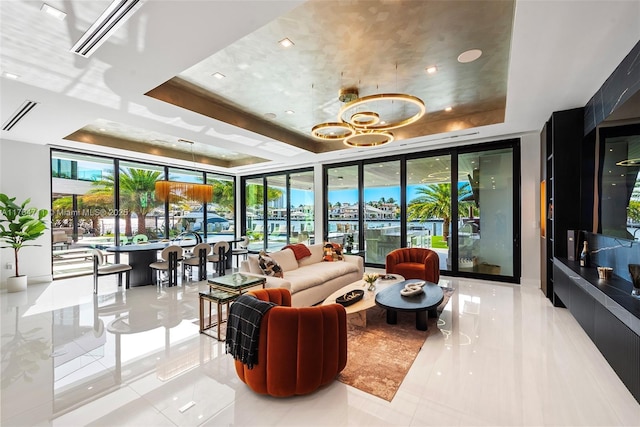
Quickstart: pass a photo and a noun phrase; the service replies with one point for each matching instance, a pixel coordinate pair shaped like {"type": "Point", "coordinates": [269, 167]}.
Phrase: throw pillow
{"type": "Point", "coordinates": [268, 266]}
{"type": "Point", "coordinates": [332, 252]}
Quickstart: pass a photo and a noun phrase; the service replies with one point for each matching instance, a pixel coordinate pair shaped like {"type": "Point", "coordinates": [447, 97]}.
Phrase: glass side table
{"type": "Point", "coordinates": [220, 298]}
{"type": "Point", "coordinates": [236, 282]}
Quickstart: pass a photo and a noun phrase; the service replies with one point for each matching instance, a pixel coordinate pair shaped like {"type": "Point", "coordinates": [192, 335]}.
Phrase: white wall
{"type": "Point", "coordinates": [530, 208]}
{"type": "Point", "coordinates": [25, 171]}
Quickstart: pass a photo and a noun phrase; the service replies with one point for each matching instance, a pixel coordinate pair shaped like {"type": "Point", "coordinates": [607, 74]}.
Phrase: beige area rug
{"type": "Point", "coordinates": [380, 355]}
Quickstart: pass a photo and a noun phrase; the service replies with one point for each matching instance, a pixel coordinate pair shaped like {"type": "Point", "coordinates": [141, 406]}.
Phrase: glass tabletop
{"type": "Point", "coordinates": [236, 281]}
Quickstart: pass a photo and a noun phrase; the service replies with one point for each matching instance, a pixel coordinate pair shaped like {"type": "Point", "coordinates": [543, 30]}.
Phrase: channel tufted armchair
{"type": "Point", "coordinates": [300, 349]}
{"type": "Point", "coordinates": [414, 263]}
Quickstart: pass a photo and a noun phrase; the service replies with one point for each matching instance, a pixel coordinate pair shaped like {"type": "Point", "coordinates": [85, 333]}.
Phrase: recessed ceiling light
{"type": "Point", "coordinates": [469, 55]}
{"type": "Point", "coordinates": [290, 112]}
{"type": "Point", "coordinates": [219, 76]}
{"type": "Point", "coordinates": [448, 109]}
{"type": "Point", "coordinates": [10, 75]}
{"type": "Point", "coordinates": [285, 42]}
{"type": "Point", "coordinates": [102, 130]}
{"type": "Point", "coordinates": [270, 116]}
{"type": "Point", "coordinates": [431, 70]}
{"type": "Point", "coordinates": [52, 11]}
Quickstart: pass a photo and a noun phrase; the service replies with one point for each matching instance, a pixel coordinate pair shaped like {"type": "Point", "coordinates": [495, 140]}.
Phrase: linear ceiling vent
{"type": "Point", "coordinates": [19, 114]}
{"type": "Point", "coordinates": [110, 20]}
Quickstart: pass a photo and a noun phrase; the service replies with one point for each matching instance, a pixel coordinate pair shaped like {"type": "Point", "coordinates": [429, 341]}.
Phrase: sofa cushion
{"type": "Point", "coordinates": [315, 257]}
{"type": "Point", "coordinates": [332, 252]}
{"type": "Point", "coordinates": [268, 266]}
{"type": "Point", "coordinates": [254, 265]}
{"type": "Point", "coordinates": [317, 274]}
{"type": "Point", "coordinates": [286, 258]}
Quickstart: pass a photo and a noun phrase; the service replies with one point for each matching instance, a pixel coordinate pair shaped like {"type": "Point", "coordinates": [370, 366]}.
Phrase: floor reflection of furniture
{"type": "Point", "coordinates": [168, 264]}
{"type": "Point", "coordinates": [299, 349]}
{"type": "Point", "coordinates": [101, 268]}
{"type": "Point", "coordinates": [414, 263]}
{"type": "Point", "coordinates": [219, 298]}
{"type": "Point", "coordinates": [427, 301]}
{"type": "Point", "coordinates": [357, 312]}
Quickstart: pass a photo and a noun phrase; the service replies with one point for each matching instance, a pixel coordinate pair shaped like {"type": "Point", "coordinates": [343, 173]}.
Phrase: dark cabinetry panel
{"type": "Point", "coordinates": [591, 307]}
{"type": "Point", "coordinates": [562, 139]}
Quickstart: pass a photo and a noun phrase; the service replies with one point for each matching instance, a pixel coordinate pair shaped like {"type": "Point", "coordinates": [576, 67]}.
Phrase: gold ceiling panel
{"type": "Point", "coordinates": [376, 46]}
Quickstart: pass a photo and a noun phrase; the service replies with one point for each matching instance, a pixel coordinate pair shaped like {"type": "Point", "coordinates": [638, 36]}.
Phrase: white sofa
{"type": "Point", "coordinates": [310, 279]}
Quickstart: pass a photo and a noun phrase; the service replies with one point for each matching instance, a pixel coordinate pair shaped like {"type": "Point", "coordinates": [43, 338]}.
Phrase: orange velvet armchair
{"type": "Point", "coordinates": [414, 263]}
{"type": "Point", "coordinates": [300, 349]}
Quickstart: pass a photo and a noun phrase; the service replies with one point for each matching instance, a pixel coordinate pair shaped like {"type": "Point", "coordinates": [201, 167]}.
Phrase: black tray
{"type": "Point", "coordinates": [350, 297]}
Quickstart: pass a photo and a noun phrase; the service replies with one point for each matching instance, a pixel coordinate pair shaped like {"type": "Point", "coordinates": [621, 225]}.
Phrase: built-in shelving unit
{"type": "Point", "coordinates": [561, 142]}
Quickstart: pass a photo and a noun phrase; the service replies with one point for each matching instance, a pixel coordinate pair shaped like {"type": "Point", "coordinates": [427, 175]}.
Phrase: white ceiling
{"type": "Point", "coordinates": [561, 53]}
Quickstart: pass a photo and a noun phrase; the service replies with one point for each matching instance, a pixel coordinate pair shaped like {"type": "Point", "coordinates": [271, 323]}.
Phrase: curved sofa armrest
{"type": "Point", "coordinates": [355, 259]}
{"type": "Point", "coordinates": [432, 266]}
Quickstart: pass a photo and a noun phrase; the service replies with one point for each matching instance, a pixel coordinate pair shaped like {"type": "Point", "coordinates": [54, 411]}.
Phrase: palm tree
{"type": "Point", "coordinates": [434, 201]}
{"type": "Point", "coordinates": [137, 194]}
{"type": "Point", "coordinates": [223, 194]}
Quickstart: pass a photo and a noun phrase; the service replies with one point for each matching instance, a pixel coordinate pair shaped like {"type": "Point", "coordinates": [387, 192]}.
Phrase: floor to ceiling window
{"type": "Point", "coordinates": [485, 214]}
{"type": "Point", "coordinates": [98, 202]}
{"type": "Point", "coordinates": [287, 198]}
{"type": "Point", "coordinates": [82, 210]}
{"type": "Point", "coordinates": [381, 218]}
{"type": "Point", "coordinates": [343, 206]}
{"type": "Point", "coordinates": [428, 195]}
{"type": "Point", "coordinates": [141, 214]}
{"type": "Point", "coordinates": [407, 202]}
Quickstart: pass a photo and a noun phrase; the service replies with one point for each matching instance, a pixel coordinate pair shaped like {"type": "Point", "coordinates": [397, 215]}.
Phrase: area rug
{"type": "Point", "coordinates": [380, 355]}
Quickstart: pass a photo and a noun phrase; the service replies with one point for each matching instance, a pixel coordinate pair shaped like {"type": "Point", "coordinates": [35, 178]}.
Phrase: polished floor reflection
{"type": "Point", "coordinates": [502, 355]}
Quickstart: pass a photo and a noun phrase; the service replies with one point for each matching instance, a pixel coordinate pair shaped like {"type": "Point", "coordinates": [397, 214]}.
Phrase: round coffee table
{"type": "Point", "coordinates": [427, 301]}
{"type": "Point", "coordinates": [357, 312]}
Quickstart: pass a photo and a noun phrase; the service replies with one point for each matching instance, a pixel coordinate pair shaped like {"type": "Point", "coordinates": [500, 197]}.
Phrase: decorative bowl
{"type": "Point", "coordinates": [350, 297]}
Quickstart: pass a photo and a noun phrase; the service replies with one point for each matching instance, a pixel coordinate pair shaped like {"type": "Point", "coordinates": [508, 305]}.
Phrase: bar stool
{"type": "Point", "coordinates": [219, 257]}
{"type": "Point", "coordinates": [199, 259]}
{"type": "Point", "coordinates": [241, 250]}
{"type": "Point", "coordinates": [170, 255]}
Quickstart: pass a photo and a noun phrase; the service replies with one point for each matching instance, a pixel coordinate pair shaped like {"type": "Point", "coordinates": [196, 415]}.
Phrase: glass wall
{"type": "Point", "coordinates": [288, 199]}
{"type": "Point", "coordinates": [381, 210]}
{"type": "Point", "coordinates": [140, 213]}
{"type": "Point", "coordinates": [485, 212]}
{"type": "Point", "coordinates": [277, 212]}
{"type": "Point", "coordinates": [428, 195]}
{"type": "Point", "coordinates": [408, 202]}
{"type": "Point", "coordinates": [85, 214]}
{"type": "Point", "coordinates": [302, 207]}
{"type": "Point", "coordinates": [82, 209]}
{"type": "Point", "coordinates": [343, 206]}
{"type": "Point", "coordinates": [221, 211]}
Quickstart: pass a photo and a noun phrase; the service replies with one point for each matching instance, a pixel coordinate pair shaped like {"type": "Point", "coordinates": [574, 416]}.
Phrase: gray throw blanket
{"type": "Point", "coordinates": [243, 328]}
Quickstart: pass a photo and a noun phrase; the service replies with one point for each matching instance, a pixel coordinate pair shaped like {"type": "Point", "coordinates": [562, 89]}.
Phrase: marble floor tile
{"type": "Point", "coordinates": [500, 354]}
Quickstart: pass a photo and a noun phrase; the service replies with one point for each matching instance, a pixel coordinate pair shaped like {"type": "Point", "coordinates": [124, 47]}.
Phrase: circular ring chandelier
{"type": "Point", "coordinates": [397, 100]}
{"type": "Point", "coordinates": [360, 124]}
{"type": "Point", "coordinates": [368, 139]}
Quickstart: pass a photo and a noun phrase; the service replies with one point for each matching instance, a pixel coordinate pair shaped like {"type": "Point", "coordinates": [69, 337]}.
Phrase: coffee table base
{"type": "Point", "coordinates": [421, 318]}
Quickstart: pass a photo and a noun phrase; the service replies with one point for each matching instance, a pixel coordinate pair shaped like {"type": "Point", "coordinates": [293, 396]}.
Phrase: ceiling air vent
{"type": "Point", "coordinates": [116, 14]}
{"type": "Point", "coordinates": [19, 114]}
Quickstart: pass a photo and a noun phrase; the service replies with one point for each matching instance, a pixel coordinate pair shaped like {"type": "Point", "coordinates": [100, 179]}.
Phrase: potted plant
{"type": "Point", "coordinates": [349, 243]}
{"type": "Point", "coordinates": [19, 225]}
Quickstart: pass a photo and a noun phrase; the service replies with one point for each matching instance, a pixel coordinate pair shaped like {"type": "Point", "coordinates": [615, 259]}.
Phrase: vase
{"type": "Point", "coordinates": [634, 270]}
{"type": "Point", "coordinates": [372, 286]}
